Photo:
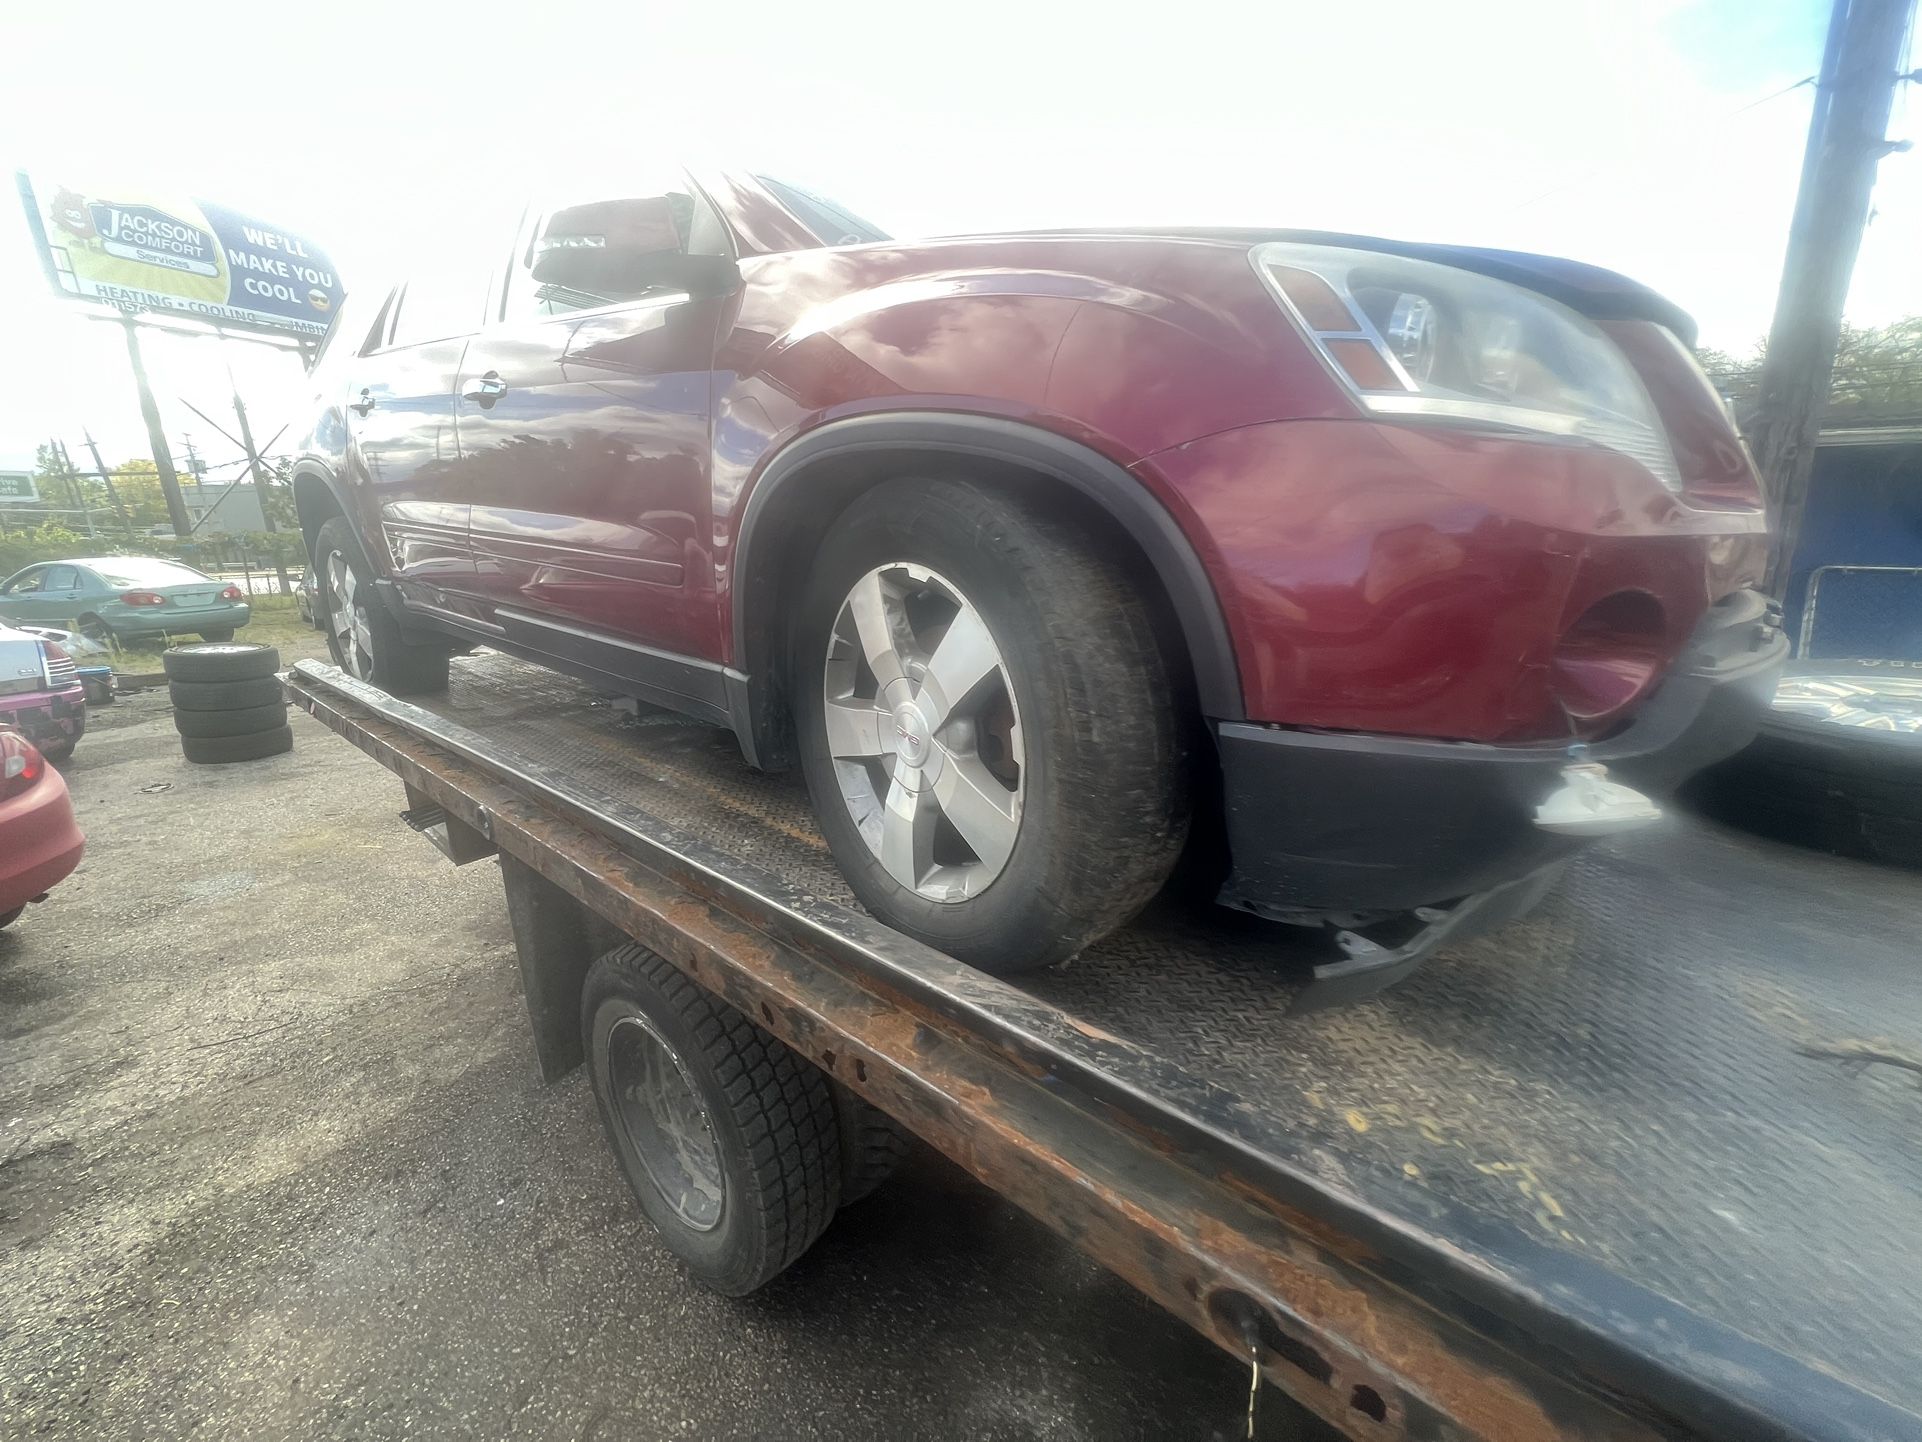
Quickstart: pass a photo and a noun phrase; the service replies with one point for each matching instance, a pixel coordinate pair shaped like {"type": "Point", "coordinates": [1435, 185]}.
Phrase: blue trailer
{"type": "Point", "coordinates": [1855, 582]}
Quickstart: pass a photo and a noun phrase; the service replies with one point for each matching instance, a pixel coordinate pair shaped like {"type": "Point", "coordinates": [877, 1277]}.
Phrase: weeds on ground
{"type": "Point", "coordinates": [276, 622]}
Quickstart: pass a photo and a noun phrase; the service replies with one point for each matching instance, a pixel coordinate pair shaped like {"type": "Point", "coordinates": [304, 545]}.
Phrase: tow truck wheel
{"type": "Point", "coordinates": [986, 723]}
{"type": "Point", "coordinates": [872, 1145]}
{"type": "Point", "coordinates": [727, 1138]}
{"type": "Point", "coordinates": [362, 635]}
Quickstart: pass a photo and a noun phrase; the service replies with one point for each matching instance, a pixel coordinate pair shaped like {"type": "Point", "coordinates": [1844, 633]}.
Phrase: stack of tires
{"type": "Point", "coordinates": [228, 705]}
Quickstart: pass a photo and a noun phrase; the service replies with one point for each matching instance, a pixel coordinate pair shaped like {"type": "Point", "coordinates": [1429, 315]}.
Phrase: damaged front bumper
{"type": "Point", "coordinates": [1343, 830]}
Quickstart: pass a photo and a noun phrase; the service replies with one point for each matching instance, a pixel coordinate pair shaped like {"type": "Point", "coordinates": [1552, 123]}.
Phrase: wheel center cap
{"type": "Point", "coordinates": [911, 735]}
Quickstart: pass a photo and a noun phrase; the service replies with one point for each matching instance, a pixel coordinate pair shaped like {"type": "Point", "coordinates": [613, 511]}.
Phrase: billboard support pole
{"type": "Point", "coordinates": [156, 437]}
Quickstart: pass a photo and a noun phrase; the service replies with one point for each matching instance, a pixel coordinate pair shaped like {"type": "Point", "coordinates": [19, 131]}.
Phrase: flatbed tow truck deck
{"type": "Point", "coordinates": [1646, 1163]}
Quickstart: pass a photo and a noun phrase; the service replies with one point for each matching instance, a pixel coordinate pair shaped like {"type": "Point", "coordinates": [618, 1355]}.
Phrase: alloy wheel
{"type": "Point", "coordinates": [924, 732]}
{"type": "Point", "coordinates": [347, 625]}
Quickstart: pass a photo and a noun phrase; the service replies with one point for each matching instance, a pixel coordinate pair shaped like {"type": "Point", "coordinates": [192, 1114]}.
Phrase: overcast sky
{"type": "Point", "coordinates": [1625, 133]}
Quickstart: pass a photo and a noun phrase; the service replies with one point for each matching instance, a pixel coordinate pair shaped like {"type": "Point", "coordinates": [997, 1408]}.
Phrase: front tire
{"type": "Point", "coordinates": [362, 635]}
{"type": "Point", "coordinates": [986, 725]}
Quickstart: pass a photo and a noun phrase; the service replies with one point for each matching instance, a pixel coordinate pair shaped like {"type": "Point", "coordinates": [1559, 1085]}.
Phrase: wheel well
{"type": "Point", "coordinates": [314, 504]}
{"type": "Point", "coordinates": [802, 511]}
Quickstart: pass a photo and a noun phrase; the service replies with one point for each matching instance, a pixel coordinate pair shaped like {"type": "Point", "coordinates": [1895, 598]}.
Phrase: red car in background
{"type": "Point", "coordinates": [40, 841]}
{"type": "Point", "coordinates": [1029, 547]}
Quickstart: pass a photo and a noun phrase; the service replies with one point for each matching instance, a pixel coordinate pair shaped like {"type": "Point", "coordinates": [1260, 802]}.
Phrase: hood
{"type": "Point", "coordinates": [1586, 289]}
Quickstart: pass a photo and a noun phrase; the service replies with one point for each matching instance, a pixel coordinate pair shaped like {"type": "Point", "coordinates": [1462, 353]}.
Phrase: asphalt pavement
{"type": "Point", "coordinates": [274, 1162]}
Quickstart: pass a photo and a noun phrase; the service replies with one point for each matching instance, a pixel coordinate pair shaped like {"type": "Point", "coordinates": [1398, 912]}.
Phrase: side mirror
{"type": "Point", "coordinates": [618, 249]}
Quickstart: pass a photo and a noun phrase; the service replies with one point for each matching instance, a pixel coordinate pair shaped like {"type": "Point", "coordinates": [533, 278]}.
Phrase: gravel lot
{"type": "Point", "coordinates": [274, 1163]}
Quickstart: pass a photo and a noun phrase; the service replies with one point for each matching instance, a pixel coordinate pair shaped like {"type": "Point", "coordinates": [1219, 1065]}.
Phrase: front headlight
{"type": "Point", "coordinates": [1412, 338]}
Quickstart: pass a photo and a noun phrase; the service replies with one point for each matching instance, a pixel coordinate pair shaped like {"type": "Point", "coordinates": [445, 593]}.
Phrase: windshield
{"type": "Point", "coordinates": [148, 571]}
{"type": "Point", "coordinates": [834, 224]}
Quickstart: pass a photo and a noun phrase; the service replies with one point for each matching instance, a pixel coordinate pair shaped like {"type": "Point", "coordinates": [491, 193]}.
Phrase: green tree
{"type": "Point", "coordinates": [1877, 380]}
{"type": "Point", "coordinates": [59, 488]}
{"type": "Point", "coordinates": [277, 496]}
{"type": "Point", "coordinates": [49, 542]}
{"type": "Point", "coordinates": [138, 483]}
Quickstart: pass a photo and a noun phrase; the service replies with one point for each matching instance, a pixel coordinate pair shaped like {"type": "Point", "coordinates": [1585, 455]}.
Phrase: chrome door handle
{"type": "Point", "coordinates": [364, 404]}
{"type": "Point", "coordinates": [485, 390]}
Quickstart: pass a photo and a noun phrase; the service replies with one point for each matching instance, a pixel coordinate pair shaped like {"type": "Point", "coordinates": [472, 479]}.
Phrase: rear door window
{"type": "Point", "coordinates": [445, 299]}
{"type": "Point", "coordinates": [357, 327]}
{"type": "Point", "coordinates": [663, 211]}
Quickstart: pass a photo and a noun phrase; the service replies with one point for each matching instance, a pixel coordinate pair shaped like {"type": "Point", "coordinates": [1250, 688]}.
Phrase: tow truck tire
{"type": "Point", "coordinates": [872, 1145]}
{"type": "Point", "coordinates": [1100, 772]}
{"type": "Point", "coordinates": [727, 1138]}
{"type": "Point", "coordinates": [218, 750]}
{"type": "Point", "coordinates": [220, 660]}
{"type": "Point", "coordinates": [379, 654]}
{"type": "Point", "coordinates": [225, 695]}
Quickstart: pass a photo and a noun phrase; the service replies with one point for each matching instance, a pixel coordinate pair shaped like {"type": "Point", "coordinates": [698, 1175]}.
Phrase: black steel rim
{"type": "Point", "coordinates": [665, 1124]}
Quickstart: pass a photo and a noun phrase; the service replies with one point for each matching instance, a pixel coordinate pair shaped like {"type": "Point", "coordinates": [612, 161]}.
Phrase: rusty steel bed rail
{"type": "Point", "coordinates": [1444, 1324]}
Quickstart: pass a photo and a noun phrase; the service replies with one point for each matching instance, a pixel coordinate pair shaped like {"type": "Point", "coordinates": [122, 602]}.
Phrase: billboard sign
{"type": "Point", "coordinates": [142, 250]}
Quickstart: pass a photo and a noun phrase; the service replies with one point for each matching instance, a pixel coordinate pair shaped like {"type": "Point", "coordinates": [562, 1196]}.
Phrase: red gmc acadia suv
{"type": "Point", "coordinates": [1027, 548]}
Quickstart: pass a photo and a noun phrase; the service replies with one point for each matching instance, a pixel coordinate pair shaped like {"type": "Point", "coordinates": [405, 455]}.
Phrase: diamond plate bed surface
{"type": "Point", "coordinates": [1627, 1073]}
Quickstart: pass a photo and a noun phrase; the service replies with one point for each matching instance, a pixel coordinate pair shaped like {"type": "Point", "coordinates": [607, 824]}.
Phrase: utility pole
{"type": "Point", "coordinates": [1846, 140]}
{"type": "Point", "coordinates": [106, 479]}
{"type": "Point", "coordinates": [260, 486]}
{"type": "Point", "coordinates": [73, 485]}
{"type": "Point", "coordinates": [156, 437]}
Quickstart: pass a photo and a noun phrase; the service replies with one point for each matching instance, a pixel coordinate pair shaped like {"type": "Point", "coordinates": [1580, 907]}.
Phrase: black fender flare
{"type": "Point", "coordinates": [304, 475]}
{"type": "Point", "coordinates": [1104, 482]}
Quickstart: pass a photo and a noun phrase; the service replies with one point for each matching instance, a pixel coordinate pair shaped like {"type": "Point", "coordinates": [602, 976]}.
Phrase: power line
{"type": "Point", "coordinates": [1636, 159]}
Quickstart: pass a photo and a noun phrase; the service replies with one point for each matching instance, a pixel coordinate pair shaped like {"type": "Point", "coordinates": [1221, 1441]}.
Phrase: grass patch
{"type": "Point", "coordinates": [276, 621]}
